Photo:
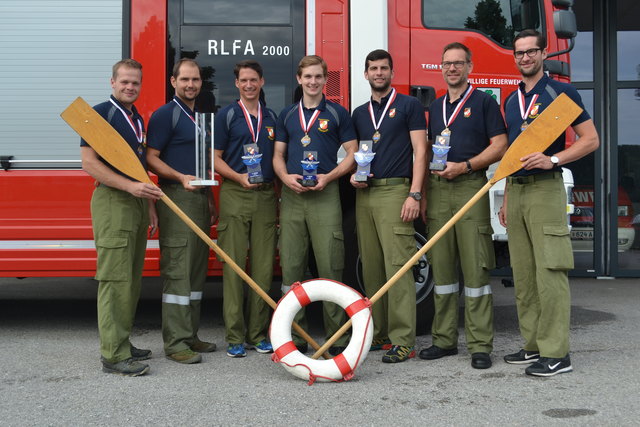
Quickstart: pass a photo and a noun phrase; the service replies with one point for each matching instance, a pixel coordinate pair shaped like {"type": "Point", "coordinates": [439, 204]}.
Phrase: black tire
{"type": "Point", "coordinates": [424, 288]}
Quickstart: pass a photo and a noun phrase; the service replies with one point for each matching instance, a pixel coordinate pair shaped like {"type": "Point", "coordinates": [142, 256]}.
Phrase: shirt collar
{"type": "Point", "coordinates": [133, 111]}
{"type": "Point", "coordinates": [183, 105]}
{"type": "Point", "coordinates": [538, 88]}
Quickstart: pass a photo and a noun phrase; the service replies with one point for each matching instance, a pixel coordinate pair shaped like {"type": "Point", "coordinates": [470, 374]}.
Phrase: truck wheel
{"type": "Point", "coordinates": [424, 288]}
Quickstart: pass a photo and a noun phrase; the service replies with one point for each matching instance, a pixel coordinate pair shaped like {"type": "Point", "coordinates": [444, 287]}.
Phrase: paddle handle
{"type": "Point", "coordinates": [235, 267]}
{"type": "Point", "coordinates": [409, 264]}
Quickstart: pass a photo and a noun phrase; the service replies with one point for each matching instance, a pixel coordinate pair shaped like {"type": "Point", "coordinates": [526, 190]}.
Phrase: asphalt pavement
{"type": "Point", "coordinates": [51, 373]}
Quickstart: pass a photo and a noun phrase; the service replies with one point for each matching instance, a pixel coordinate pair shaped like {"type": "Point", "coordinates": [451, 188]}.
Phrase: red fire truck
{"type": "Point", "coordinates": [65, 49]}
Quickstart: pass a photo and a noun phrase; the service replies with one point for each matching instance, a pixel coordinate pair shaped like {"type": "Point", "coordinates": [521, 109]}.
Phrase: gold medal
{"type": "Point", "coordinates": [376, 137]}
{"type": "Point", "coordinates": [445, 132]}
{"type": "Point", "coordinates": [306, 140]}
{"type": "Point", "coordinates": [523, 126]}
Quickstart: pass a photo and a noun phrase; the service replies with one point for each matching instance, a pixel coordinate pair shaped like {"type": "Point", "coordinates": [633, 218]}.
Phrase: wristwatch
{"type": "Point", "coordinates": [554, 160]}
{"type": "Point", "coordinates": [416, 196]}
{"type": "Point", "coordinates": [469, 170]}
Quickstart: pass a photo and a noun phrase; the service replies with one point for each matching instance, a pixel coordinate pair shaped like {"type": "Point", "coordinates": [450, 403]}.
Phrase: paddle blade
{"type": "Point", "coordinates": [539, 135]}
{"type": "Point", "coordinates": [104, 139]}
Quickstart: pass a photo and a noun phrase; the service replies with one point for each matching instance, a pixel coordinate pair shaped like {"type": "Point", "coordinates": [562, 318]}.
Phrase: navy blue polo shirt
{"type": "Point", "coordinates": [123, 127]}
{"type": "Point", "coordinates": [394, 152]}
{"type": "Point", "coordinates": [177, 145]}
{"type": "Point", "coordinates": [332, 128]}
{"type": "Point", "coordinates": [478, 120]}
{"type": "Point", "coordinates": [514, 119]}
{"type": "Point", "coordinates": [232, 134]}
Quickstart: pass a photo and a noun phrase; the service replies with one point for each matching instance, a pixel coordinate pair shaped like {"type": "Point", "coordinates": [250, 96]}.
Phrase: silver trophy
{"type": "Point", "coordinates": [440, 151]}
{"type": "Point", "coordinates": [204, 150]}
{"type": "Point", "coordinates": [364, 156]}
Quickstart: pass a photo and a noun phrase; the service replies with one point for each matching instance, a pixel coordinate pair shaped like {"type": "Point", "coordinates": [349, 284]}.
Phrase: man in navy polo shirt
{"type": "Point", "coordinates": [389, 202]}
{"type": "Point", "coordinates": [472, 122]}
{"type": "Point", "coordinates": [121, 216]}
{"type": "Point", "coordinates": [247, 210]}
{"type": "Point", "coordinates": [312, 214]}
{"type": "Point", "coordinates": [536, 216]}
{"type": "Point", "coordinates": [183, 255]}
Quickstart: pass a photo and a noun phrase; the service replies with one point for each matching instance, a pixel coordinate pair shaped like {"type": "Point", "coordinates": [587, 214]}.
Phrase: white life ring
{"type": "Point", "coordinates": [341, 367]}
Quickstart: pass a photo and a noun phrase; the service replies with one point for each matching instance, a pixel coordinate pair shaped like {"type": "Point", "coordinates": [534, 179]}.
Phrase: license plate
{"type": "Point", "coordinates": [582, 234]}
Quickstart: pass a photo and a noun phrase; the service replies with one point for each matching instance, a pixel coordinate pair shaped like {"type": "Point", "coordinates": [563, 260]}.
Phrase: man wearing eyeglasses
{"type": "Point", "coordinates": [536, 217]}
{"type": "Point", "coordinates": [471, 122]}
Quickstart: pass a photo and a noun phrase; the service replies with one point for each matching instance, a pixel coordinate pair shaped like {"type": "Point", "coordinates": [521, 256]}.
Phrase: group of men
{"type": "Point", "coordinates": [400, 188]}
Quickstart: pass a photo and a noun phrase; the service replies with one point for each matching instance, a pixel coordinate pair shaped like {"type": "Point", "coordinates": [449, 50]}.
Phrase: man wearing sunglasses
{"type": "Point", "coordinates": [536, 217]}
{"type": "Point", "coordinates": [470, 123]}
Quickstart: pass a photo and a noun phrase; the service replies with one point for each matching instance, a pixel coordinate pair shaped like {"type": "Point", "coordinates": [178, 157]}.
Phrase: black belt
{"type": "Point", "coordinates": [464, 177]}
{"type": "Point", "coordinates": [379, 182]}
{"type": "Point", "coordinates": [530, 179]}
{"type": "Point", "coordinates": [262, 186]}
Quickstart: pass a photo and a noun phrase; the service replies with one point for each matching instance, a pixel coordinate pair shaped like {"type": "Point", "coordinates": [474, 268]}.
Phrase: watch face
{"type": "Point", "coordinates": [555, 160]}
{"type": "Point", "coordinates": [416, 196]}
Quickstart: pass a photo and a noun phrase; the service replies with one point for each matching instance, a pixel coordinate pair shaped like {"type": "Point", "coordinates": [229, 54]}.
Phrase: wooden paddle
{"type": "Point", "coordinates": [537, 137]}
{"type": "Point", "coordinates": [108, 143]}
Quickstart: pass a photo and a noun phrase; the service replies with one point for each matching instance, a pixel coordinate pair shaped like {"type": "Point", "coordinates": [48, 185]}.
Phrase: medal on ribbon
{"type": "Point", "coordinates": [376, 125]}
{"type": "Point", "coordinates": [306, 139]}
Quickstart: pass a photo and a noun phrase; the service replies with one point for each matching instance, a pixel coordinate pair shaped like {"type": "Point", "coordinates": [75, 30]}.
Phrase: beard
{"type": "Point", "coordinates": [381, 88]}
{"type": "Point", "coordinates": [531, 72]}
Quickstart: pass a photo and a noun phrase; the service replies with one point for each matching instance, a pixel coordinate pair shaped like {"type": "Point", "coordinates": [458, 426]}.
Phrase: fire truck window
{"type": "Point", "coordinates": [230, 12]}
{"type": "Point", "coordinates": [500, 20]}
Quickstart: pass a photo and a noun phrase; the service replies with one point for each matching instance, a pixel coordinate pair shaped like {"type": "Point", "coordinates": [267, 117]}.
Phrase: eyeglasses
{"type": "Point", "coordinates": [456, 64]}
{"type": "Point", "coordinates": [519, 54]}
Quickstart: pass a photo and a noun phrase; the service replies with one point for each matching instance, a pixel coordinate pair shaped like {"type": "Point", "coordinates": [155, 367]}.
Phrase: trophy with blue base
{"type": "Point", "coordinates": [440, 151]}
{"type": "Point", "coordinates": [364, 156]}
{"type": "Point", "coordinates": [309, 169]}
{"type": "Point", "coordinates": [252, 158]}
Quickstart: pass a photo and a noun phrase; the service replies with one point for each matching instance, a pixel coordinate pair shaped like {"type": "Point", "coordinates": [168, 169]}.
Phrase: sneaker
{"type": "Point", "coordinates": [127, 368]}
{"type": "Point", "coordinates": [186, 356]}
{"type": "Point", "coordinates": [263, 347]}
{"type": "Point", "coordinates": [548, 366]}
{"type": "Point", "coordinates": [522, 357]}
{"type": "Point", "coordinates": [140, 354]}
{"type": "Point", "coordinates": [435, 352]}
{"type": "Point", "coordinates": [380, 344]}
{"type": "Point", "coordinates": [335, 350]}
{"type": "Point", "coordinates": [398, 353]}
{"type": "Point", "coordinates": [236, 350]}
{"type": "Point", "coordinates": [203, 346]}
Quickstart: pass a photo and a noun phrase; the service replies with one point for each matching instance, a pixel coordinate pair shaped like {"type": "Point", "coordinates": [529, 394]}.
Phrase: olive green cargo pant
{"type": "Point", "coordinates": [386, 243]}
{"type": "Point", "coordinates": [183, 266]}
{"type": "Point", "coordinates": [541, 255]}
{"type": "Point", "coordinates": [247, 223]}
{"type": "Point", "coordinates": [120, 226]}
{"type": "Point", "coordinates": [469, 244]}
{"type": "Point", "coordinates": [313, 217]}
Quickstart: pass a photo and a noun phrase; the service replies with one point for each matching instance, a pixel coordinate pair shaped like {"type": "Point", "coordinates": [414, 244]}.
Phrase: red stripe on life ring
{"type": "Point", "coordinates": [355, 307]}
{"type": "Point", "coordinates": [285, 349]}
{"type": "Point", "coordinates": [301, 294]}
{"type": "Point", "coordinates": [342, 364]}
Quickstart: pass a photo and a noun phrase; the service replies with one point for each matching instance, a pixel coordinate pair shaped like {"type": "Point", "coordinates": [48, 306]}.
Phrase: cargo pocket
{"type": "Point", "coordinates": [337, 250]}
{"type": "Point", "coordinates": [113, 259]}
{"type": "Point", "coordinates": [557, 251]}
{"type": "Point", "coordinates": [221, 231]}
{"type": "Point", "coordinates": [173, 262]}
{"type": "Point", "coordinates": [486, 252]}
{"type": "Point", "coordinates": [404, 245]}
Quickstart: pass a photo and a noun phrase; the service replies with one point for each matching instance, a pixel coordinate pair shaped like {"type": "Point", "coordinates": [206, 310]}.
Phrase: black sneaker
{"type": "Point", "coordinates": [398, 353]}
{"type": "Point", "coordinates": [140, 354]}
{"type": "Point", "coordinates": [522, 357]}
{"type": "Point", "coordinates": [127, 368]}
{"type": "Point", "coordinates": [548, 367]}
{"type": "Point", "coordinates": [435, 352]}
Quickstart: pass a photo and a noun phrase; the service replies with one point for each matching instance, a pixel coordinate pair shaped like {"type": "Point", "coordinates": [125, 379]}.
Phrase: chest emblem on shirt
{"type": "Point", "coordinates": [270, 132]}
{"type": "Point", "coordinates": [392, 113]}
{"type": "Point", "coordinates": [535, 111]}
{"type": "Point", "coordinates": [467, 113]}
{"type": "Point", "coordinates": [323, 125]}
